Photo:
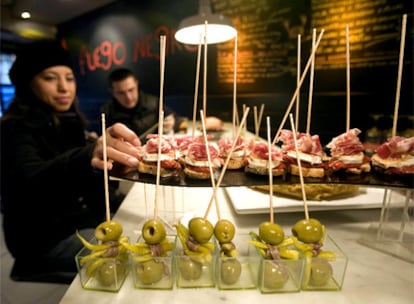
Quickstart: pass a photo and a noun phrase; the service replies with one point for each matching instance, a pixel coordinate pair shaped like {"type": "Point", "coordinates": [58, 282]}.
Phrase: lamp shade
{"type": "Point", "coordinates": [216, 27]}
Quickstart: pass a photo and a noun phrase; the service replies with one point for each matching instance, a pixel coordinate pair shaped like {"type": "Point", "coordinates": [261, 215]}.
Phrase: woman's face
{"type": "Point", "coordinates": [56, 86]}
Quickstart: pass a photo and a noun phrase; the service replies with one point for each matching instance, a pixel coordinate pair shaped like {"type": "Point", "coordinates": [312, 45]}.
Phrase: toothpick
{"type": "Point", "coordinates": [312, 72]}
{"type": "Point", "coordinates": [234, 85]}
{"type": "Point", "coordinates": [160, 122]}
{"type": "Point", "coordinates": [223, 169]}
{"type": "Point", "coordinates": [298, 87]}
{"type": "Point", "coordinates": [157, 181]}
{"type": "Point", "coordinates": [348, 81]}
{"type": "Point", "coordinates": [162, 70]}
{"type": "Point", "coordinates": [205, 70]}
{"type": "Point", "coordinates": [203, 123]}
{"type": "Point", "coordinates": [269, 147]}
{"type": "Point", "coordinates": [400, 69]}
{"type": "Point", "coordinates": [259, 120]}
{"type": "Point", "coordinates": [298, 68]}
{"type": "Point", "coordinates": [256, 127]}
{"type": "Point", "coordinates": [105, 159]}
{"type": "Point", "coordinates": [197, 79]}
{"type": "Point", "coordinates": [302, 183]}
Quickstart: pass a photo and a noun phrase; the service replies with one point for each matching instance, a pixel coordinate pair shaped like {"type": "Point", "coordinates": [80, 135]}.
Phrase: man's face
{"type": "Point", "coordinates": [126, 92]}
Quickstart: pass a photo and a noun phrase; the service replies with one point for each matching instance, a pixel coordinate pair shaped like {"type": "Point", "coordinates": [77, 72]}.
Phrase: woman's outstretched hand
{"type": "Point", "coordinates": [122, 146]}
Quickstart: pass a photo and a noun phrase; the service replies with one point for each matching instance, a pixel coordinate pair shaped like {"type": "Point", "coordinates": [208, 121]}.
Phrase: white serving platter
{"type": "Point", "coordinates": [248, 201]}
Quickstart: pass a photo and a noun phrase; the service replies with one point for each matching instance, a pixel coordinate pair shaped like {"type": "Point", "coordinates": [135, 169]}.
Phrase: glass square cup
{"type": "Point", "coordinates": [325, 271]}
{"type": "Point", "coordinates": [281, 275]}
{"type": "Point", "coordinates": [102, 273]}
{"type": "Point", "coordinates": [155, 272]}
{"type": "Point", "coordinates": [193, 272]}
{"type": "Point", "coordinates": [239, 272]}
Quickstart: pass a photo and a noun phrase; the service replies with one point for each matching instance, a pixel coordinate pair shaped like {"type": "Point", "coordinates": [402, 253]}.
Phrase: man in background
{"type": "Point", "coordinates": [139, 110]}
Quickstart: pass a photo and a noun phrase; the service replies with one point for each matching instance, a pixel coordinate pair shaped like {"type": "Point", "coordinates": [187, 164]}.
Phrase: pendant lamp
{"type": "Point", "coordinates": [216, 27]}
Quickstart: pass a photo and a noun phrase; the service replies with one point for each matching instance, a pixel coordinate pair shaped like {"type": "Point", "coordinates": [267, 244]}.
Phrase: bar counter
{"type": "Point", "coordinates": [371, 276]}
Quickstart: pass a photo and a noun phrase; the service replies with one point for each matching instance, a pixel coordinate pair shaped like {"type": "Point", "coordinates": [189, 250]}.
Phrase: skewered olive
{"type": "Point", "coordinates": [150, 272]}
{"type": "Point", "coordinates": [230, 271]}
{"type": "Point", "coordinates": [153, 232]}
{"type": "Point", "coordinates": [189, 269]}
{"type": "Point", "coordinates": [321, 272]}
{"type": "Point", "coordinates": [224, 231]}
{"type": "Point", "coordinates": [271, 233]}
{"type": "Point", "coordinates": [200, 229]}
{"type": "Point", "coordinates": [109, 272]}
{"type": "Point", "coordinates": [275, 275]}
{"type": "Point", "coordinates": [308, 231]}
{"type": "Point", "coordinates": [108, 231]}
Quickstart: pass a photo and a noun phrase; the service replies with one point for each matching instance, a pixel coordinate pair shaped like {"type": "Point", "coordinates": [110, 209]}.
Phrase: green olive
{"type": "Point", "coordinates": [150, 272]}
{"type": "Point", "coordinates": [271, 233]}
{"type": "Point", "coordinates": [189, 269]}
{"type": "Point", "coordinates": [275, 275]}
{"type": "Point", "coordinates": [308, 231]}
{"type": "Point", "coordinates": [230, 271]}
{"type": "Point", "coordinates": [224, 231]}
{"type": "Point", "coordinates": [321, 272]}
{"type": "Point", "coordinates": [153, 232]}
{"type": "Point", "coordinates": [200, 229]}
{"type": "Point", "coordinates": [109, 273]}
{"type": "Point", "coordinates": [108, 231]}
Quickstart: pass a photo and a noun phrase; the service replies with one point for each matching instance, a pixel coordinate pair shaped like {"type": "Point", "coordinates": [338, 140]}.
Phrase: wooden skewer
{"type": "Point", "coordinates": [399, 77]}
{"type": "Point", "coordinates": [203, 123]}
{"type": "Point", "coordinates": [234, 85]}
{"type": "Point", "coordinates": [298, 87]}
{"type": "Point", "coordinates": [160, 122]}
{"type": "Point", "coordinates": [348, 81]}
{"type": "Point", "coordinates": [197, 79]}
{"type": "Point", "coordinates": [305, 203]}
{"type": "Point", "coordinates": [105, 159]}
{"type": "Point", "coordinates": [269, 146]}
{"type": "Point", "coordinates": [205, 71]}
{"type": "Point", "coordinates": [223, 169]}
{"type": "Point", "coordinates": [298, 68]}
{"type": "Point", "coordinates": [157, 181]}
{"type": "Point", "coordinates": [312, 72]}
{"type": "Point", "coordinates": [257, 119]}
{"type": "Point", "coordinates": [256, 127]}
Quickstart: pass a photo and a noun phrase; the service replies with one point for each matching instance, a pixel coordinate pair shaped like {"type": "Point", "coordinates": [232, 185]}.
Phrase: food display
{"type": "Point", "coordinates": [347, 153]}
{"type": "Point", "coordinates": [151, 257]}
{"type": "Point", "coordinates": [258, 159]}
{"type": "Point", "coordinates": [316, 192]}
{"type": "Point", "coordinates": [229, 266]}
{"type": "Point", "coordinates": [395, 156]}
{"type": "Point", "coordinates": [238, 158]}
{"type": "Point", "coordinates": [311, 154]}
{"type": "Point", "coordinates": [168, 156]}
{"type": "Point", "coordinates": [103, 263]}
{"type": "Point", "coordinates": [196, 160]}
{"type": "Point", "coordinates": [195, 256]}
{"type": "Point", "coordinates": [324, 269]}
{"type": "Point", "coordinates": [281, 264]}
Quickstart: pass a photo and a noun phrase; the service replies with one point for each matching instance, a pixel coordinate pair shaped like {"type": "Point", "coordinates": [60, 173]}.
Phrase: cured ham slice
{"type": "Point", "coordinates": [347, 153]}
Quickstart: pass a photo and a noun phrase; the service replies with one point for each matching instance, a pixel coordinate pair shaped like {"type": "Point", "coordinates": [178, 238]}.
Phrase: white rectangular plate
{"type": "Point", "coordinates": [249, 201]}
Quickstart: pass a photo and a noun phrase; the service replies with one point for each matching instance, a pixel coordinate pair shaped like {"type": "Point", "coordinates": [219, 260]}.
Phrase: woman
{"type": "Point", "coordinates": [50, 185]}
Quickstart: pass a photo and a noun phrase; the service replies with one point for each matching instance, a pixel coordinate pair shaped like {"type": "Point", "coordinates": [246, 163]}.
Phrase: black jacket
{"type": "Point", "coordinates": [142, 117]}
{"type": "Point", "coordinates": [48, 187]}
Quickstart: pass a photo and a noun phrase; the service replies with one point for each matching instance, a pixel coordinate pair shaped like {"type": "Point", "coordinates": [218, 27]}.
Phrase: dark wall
{"type": "Point", "coordinates": [126, 33]}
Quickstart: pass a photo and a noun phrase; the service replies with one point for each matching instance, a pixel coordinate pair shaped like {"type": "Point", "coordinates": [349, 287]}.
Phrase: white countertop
{"type": "Point", "coordinates": [371, 276]}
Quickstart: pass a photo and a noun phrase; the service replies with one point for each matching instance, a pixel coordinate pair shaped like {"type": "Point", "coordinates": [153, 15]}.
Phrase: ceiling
{"type": "Point", "coordinates": [46, 15]}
